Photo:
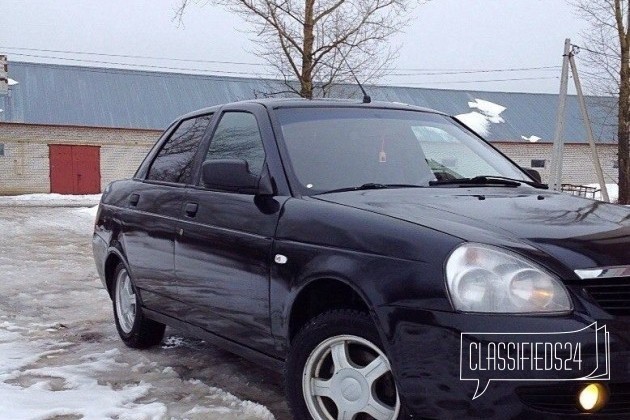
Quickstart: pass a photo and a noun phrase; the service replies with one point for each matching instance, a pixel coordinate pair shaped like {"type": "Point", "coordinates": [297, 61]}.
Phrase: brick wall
{"type": "Point", "coordinates": [121, 161]}
{"type": "Point", "coordinates": [25, 168]}
{"type": "Point", "coordinates": [577, 165]}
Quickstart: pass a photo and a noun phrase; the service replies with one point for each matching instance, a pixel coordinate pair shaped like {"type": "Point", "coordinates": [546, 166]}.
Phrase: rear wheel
{"type": "Point", "coordinates": [134, 328]}
{"type": "Point", "coordinates": [336, 369]}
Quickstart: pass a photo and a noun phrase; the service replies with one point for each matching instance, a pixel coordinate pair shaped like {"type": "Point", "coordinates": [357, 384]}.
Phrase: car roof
{"type": "Point", "coordinates": [275, 103]}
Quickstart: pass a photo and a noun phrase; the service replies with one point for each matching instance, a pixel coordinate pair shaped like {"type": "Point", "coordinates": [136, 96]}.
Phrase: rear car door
{"type": "Point", "coordinates": [152, 208]}
{"type": "Point", "coordinates": [223, 246]}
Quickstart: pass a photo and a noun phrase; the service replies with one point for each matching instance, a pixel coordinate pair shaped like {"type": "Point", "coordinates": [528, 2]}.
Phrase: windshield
{"type": "Point", "coordinates": [336, 148]}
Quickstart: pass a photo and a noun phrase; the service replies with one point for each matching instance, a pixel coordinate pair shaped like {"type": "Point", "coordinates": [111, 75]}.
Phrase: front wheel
{"type": "Point", "coordinates": [336, 369]}
{"type": "Point", "coordinates": [134, 328]}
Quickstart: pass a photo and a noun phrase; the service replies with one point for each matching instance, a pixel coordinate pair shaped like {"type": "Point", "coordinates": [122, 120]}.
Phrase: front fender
{"type": "Point", "coordinates": [378, 280]}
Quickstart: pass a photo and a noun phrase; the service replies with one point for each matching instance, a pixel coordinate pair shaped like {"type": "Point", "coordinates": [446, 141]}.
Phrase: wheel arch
{"type": "Point", "coordinates": [320, 295]}
{"type": "Point", "coordinates": [114, 257]}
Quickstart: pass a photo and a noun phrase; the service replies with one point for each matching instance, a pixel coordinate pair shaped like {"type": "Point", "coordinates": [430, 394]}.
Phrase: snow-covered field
{"type": "Point", "coordinates": [60, 356]}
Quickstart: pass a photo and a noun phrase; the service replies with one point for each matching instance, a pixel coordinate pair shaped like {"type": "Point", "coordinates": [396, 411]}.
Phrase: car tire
{"type": "Point", "coordinates": [134, 328]}
{"type": "Point", "coordinates": [325, 372]}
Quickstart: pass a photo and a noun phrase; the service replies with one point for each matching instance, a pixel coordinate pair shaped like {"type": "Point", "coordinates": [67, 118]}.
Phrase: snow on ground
{"type": "Point", "coordinates": [60, 355]}
{"type": "Point", "coordinates": [613, 192]}
{"type": "Point", "coordinates": [50, 200]}
{"type": "Point", "coordinates": [49, 391]}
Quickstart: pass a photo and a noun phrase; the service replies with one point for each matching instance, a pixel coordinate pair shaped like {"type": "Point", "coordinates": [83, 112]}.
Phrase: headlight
{"type": "Point", "coordinates": [481, 278]}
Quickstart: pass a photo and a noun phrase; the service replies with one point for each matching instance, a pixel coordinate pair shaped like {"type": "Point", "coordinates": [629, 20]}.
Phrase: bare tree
{"type": "Point", "coordinates": [608, 47]}
{"type": "Point", "coordinates": [314, 44]}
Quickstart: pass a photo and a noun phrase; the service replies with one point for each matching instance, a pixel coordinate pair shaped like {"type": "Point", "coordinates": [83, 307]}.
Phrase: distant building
{"type": "Point", "coordinates": [74, 129]}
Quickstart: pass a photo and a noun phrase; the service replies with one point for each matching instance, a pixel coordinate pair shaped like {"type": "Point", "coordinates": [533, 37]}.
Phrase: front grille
{"type": "Point", "coordinates": [613, 295]}
{"type": "Point", "coordinates": [562, 399]}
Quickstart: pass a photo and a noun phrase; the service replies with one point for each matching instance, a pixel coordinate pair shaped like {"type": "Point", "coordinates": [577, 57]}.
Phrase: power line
{"type": "Point", "coordinates": [271, 75]}
{"type": "Point", "coordinates": [106, 70]}
{"type": "Point", "coordinates": [82, 60]}
{"type": "Point", "coordinates": [579, 47]}
{"type": "Point", "coordinates": [164, 75]}
{"type": "Point", "coordinates": [130, 56]}
{"type": "Point", "coordinates": [250, 74]}
{"type": "Point", "coordinates": [481, 81]}
{"type": "Point", "coordinates": [414, 71]}
{"type": "Point", "coordinates": [232, 72]}
{"type": "Point", "coordinates": [435, 73]}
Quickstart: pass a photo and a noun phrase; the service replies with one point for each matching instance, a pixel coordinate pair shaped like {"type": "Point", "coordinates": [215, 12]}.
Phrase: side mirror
{"type": "Point", "coordinates": [233, 175]}
{"type": "Point", "coordinates": [533, 173]}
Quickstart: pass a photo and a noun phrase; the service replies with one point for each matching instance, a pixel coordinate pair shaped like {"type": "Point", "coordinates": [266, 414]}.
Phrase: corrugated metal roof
{"type": "Point", "coordinates": [90, 96]}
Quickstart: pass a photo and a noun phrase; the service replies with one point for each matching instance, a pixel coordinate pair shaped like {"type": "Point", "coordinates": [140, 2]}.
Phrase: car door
{"type": "Point", "coordinates": [152, 208]}
{"type": "Point", "coordinates": [222, 251]}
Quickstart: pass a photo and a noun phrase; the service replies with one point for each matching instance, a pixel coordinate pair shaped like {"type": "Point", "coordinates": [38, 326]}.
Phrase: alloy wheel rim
{"type": "Point", "coordinates": [338, 386]}
{"type": "Point", "coordinates": [125, 302]}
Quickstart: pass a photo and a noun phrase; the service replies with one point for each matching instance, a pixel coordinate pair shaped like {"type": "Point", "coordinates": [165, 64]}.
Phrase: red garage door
{"type": "Point", "coordinates": [75, 169]}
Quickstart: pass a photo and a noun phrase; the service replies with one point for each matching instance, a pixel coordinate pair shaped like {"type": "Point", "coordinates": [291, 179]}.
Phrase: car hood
{"type": "Point", "coordinates": [576, 232]}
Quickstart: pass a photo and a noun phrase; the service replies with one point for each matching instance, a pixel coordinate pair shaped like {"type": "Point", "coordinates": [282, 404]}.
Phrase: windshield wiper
{"type": "Point", "coordinates": [372, 186]}
{"type": "Point", "coordinates": [488, 180]}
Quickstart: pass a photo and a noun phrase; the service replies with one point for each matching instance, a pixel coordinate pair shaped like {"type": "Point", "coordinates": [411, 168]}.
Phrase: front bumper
{"type": "Point", "coordinates": [425, 351]}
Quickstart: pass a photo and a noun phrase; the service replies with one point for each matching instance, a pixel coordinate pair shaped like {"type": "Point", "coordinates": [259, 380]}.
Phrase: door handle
{"type": "Point", "coordinates": [133, 199]}
{"type": "Point", "coordinates": [191, 209]}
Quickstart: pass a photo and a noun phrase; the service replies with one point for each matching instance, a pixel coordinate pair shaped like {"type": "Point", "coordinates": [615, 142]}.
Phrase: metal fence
{"type": "Point", "coordinates": [580, 190]}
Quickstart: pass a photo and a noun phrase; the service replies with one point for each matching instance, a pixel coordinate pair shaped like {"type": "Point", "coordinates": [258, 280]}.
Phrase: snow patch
{"type": "Point", "coordinates": [476, 121]}
{"type": "Point", "coordinates": [51, 200]}
{"type": "Point", "coordinates": [53, 197]}
{"type": "Point", "coordinates": [70, 390]}
{"type": "Point", "coordinates": [613, 192]}
{"type": "Point", "coordinates": [491, 110]}
{"type": "Point", "coordinates": [32, 390]}
{"type": "Point", "coordinates": [173, 341]}
{"type": "Point", "coordinates": [531, 139]}
{"type": "Point", "coordinates": [479, 121]}
{"type": "Point", "coordinates": [225, 403]}
{"type": "Point", "coordinates": [88, 212]}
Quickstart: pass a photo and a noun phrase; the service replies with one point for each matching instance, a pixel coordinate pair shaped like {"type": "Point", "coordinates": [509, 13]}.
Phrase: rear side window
{"type": "Point", "coordinates": [237, 137]}
{"type": "Point", "coordinates": [174, 162]}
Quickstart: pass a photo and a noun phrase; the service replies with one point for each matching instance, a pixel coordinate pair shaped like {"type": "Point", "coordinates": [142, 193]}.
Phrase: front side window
{"type": "Point", "coordinates": [237, 137]}
{"type": "Point", "coordinates": [174, 162]}
{"type": "Point", "coordinates": [335, 148]}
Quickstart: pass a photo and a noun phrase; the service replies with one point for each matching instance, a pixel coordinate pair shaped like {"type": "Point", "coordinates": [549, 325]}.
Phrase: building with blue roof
{"type": "Point", "coordinates": [109, 118]}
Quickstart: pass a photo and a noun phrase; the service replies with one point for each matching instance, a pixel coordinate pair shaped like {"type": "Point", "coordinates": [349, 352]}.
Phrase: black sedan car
{"type": "Point", "coordinates": [389, 260]}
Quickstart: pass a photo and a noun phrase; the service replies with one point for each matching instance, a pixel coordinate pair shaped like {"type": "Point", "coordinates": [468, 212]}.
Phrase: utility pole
{"type": "Point", "coordinates": [4, 75]}
{"type": "Point", "coordinates": [589, 129]}
{"type": "Point", "coordinates": [558, 141]}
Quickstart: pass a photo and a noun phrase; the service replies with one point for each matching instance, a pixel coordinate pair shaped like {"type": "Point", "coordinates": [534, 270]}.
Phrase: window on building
{"type": "Point", "coordinates": [538, 163]}
{"type": "Point", "coordinates": [175, 160]}
{"type": "Point", "coordinates": [237, 137]}
{"type": "Point", "coordinates": [1, 149]}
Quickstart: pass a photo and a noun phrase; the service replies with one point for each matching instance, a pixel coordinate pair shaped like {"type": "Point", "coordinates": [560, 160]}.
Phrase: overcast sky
{"type": "Point", "coordinates": [446, 35]}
